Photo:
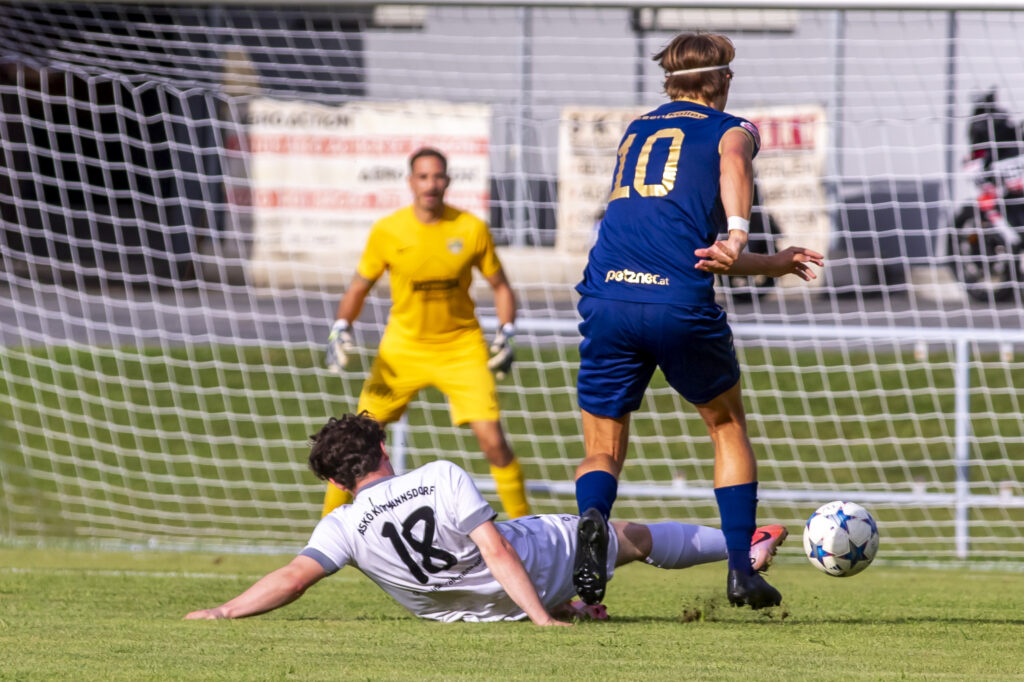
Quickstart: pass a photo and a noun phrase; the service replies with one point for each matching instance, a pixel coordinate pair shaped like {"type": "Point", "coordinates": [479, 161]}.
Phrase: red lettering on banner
{"type": "Point", "coordinates": [331, 145]}
{"type": "Point", "coordinates": [347, 200]}
{"type": "Point", "coordinates": [781, 134]}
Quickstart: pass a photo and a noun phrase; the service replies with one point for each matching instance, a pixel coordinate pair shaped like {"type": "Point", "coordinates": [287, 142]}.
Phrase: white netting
{"type": "Point", "coordinates": [184, 191]}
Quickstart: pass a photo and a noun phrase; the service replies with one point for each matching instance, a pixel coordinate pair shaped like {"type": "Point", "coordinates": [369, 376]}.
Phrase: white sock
{"type": "Point", "coordinates": [679, 545]}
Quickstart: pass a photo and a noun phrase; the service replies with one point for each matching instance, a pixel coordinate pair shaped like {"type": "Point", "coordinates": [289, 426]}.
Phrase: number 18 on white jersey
{"type": "Point", "coordinates": [410, 535]}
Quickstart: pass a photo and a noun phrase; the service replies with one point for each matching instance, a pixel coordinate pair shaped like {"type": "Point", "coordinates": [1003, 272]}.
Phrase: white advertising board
{"type": "Point", "coordinates": [321, 175]}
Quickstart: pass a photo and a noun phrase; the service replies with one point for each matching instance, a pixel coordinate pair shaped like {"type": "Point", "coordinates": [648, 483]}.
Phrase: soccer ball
{"type": "Point", "coordinates": [841, 539]}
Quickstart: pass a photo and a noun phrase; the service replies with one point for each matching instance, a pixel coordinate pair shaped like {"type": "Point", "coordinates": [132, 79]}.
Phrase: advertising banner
{"type": "Point", "coordinates": [321, 175]}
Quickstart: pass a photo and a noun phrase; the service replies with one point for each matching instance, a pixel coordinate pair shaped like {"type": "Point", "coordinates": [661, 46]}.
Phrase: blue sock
{"type": "Point", "coordinates": [737, 505]}
{"type": "Point", "coordinates": [598, 489]}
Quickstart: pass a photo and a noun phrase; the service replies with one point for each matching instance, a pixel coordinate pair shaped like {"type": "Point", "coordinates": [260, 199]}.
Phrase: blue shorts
{"type": "Point", "coordinates": [624, 341]}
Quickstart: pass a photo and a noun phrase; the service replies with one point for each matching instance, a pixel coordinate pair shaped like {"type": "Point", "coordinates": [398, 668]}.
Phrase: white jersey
{"type": "Point", "coordinates": [410, 535]}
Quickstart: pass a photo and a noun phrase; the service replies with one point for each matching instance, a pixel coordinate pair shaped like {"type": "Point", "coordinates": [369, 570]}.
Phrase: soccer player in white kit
{"type": "Point", "coordinates": [428, 538]}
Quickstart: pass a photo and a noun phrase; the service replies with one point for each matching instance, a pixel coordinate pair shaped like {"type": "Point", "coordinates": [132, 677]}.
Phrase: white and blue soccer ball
{"type": "Point", "coordinates": [841, 539]}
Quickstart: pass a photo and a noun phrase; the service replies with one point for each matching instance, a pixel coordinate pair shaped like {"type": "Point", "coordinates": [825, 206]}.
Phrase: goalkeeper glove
{"type": "Point", "coordinates": [502, 352]}
{"type": "Point", "coordinates": [339, 344]}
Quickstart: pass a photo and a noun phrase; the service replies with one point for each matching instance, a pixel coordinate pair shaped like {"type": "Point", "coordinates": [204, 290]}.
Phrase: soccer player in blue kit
{"type": "Point", "coordinates": [683, 176]}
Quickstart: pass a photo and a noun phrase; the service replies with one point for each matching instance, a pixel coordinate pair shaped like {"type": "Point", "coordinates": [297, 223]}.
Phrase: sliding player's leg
{"type": "Point", "coordinates": [765, 544]}
{"type": "Point", "coordinates": [675, 545]}
{"type": "Point", "coordinates": [672, 545]}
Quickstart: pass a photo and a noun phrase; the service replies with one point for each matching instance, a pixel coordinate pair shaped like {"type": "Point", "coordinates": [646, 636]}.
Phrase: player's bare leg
{"type": "Point", "coordinates": [726, 422]}
{"type": "Point", "coordinates": [505, 469]}
{"type": "Point", "coordinates": [736, 492]}
{"type": "Point", "coordinates": [605, 441]}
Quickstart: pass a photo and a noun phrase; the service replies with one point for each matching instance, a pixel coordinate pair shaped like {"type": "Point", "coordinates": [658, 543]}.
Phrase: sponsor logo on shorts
{"type": "Point", "coordinates": [632, 277]}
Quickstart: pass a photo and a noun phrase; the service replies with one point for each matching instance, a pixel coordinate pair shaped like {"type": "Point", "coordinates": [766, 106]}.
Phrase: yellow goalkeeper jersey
{"type": "Point", "coordinates": [431, 269]}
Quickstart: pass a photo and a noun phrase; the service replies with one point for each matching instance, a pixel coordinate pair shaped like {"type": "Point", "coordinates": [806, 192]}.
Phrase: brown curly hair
{"type": "Point", "coordinates": [347, 449]}
{"type": "Point", "coordinates": [693, 51]}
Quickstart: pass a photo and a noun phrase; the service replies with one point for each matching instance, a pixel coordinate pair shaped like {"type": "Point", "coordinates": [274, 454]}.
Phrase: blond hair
{"type": "Point", "coordinates": [694, 51]}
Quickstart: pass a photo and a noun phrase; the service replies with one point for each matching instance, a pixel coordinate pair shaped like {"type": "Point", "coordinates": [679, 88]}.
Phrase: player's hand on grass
{"type": "Point", "coordinates": [502, 351]}
{"type": "Point", "coordinates": [550, 621]}
{"type": "Point", "coordinates": [205, 614]}
{"type": "Point", "coordinates": [339, 345]}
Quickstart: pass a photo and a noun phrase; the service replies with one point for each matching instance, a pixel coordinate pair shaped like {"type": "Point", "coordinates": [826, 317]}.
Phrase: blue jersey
{"type": "Point", "coordinates": [664, 204]}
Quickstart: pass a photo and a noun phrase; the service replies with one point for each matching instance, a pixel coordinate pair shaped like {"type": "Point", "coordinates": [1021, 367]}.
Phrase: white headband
{"type": "Point", "coordinates": [697, 70]}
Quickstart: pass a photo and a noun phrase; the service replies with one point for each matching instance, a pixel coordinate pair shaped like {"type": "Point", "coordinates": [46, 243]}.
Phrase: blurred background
{"type": "Point", "coordinates": [185, 189]}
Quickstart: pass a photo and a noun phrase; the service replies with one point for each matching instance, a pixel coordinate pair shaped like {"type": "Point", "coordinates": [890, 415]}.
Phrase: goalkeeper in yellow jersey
{"type": "Point", "coordinates": [433, 337]}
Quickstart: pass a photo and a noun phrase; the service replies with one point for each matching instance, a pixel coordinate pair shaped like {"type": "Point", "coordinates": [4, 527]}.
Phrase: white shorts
{"type": "Point", "coordinates": [547, 546]}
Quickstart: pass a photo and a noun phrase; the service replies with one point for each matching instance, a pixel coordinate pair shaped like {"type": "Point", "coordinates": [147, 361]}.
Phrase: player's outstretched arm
{"type": "Point", "coordinates": [504, 562]}
{"type": "Point", "coordinates": [272, 591]}
{"type": "Point", "coordinates": [794, 260]}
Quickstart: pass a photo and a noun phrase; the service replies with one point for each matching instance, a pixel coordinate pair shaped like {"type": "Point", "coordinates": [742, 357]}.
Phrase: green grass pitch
{"type": "Point", "coordinates": [117, 616]}
{"type": "Point", "coordinates": [66, 613]}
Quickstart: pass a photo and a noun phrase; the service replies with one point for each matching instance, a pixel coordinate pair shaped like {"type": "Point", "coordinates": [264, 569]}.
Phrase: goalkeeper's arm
{"type": "Point", "coordinates": [340, 342]}
{"type": "Point", "coordinates": [502, 351]}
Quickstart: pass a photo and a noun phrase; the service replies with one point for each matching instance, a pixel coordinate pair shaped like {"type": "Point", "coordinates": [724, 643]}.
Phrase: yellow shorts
{"type": "Point", "coordinates": [458, 369]}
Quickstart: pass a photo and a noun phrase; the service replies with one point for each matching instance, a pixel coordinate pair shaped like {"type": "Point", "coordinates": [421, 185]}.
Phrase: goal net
{"type": "Point", "coordinates": [185, 191]}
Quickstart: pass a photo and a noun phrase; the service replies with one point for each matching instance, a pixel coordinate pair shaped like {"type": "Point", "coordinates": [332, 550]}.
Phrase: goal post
{"type": "Point", "coordinates": [185, 189]}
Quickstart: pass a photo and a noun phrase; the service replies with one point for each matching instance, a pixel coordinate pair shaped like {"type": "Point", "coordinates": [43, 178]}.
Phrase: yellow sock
{"type": "Point", "coordinates": [511, 489]}
{"type": "Point", "coordinates": [334, 498]}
